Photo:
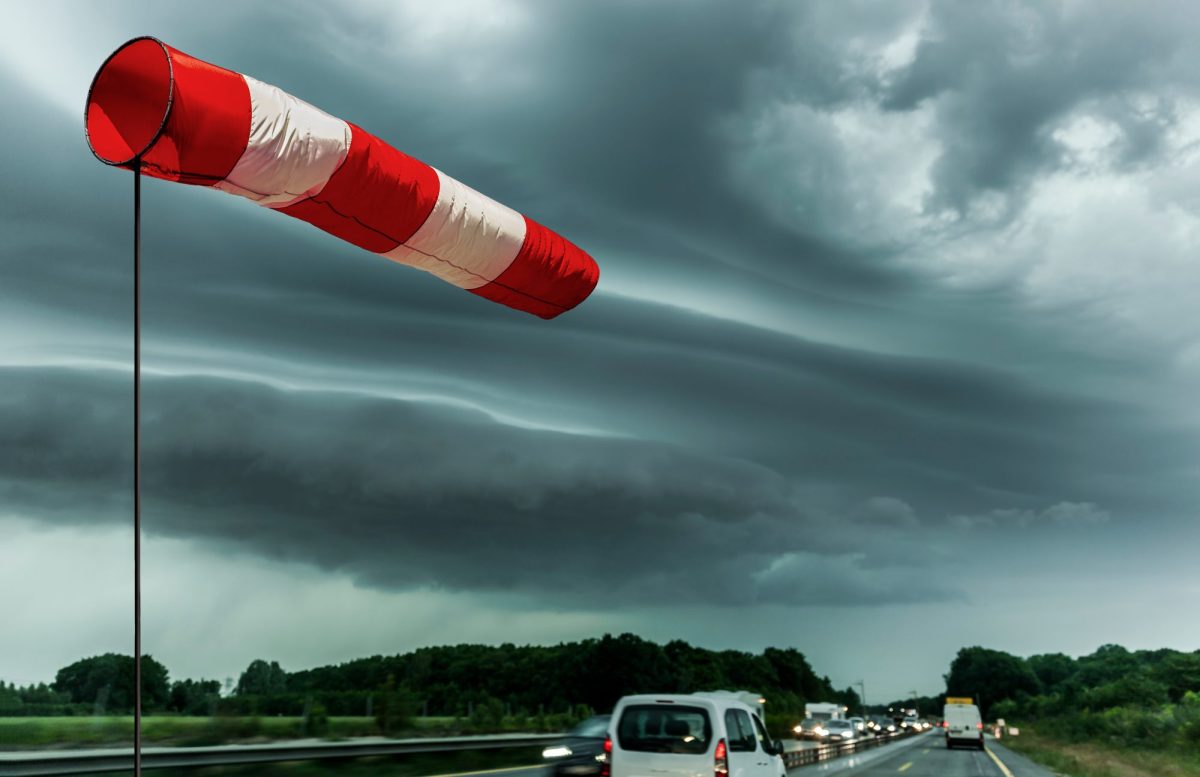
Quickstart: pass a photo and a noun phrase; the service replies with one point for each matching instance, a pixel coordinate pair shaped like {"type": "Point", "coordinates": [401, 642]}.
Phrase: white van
{"type": "Point", "coordinates": [963, 725]}
{"type": "Point", "coordinates": [677, 735]}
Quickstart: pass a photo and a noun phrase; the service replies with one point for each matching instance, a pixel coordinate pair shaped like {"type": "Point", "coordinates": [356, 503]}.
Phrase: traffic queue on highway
{"type": "Point", "coordinates": [682, 735]}
{"type": "Point", "coordinates": [687, 734]}
{"type": "Point", "coordinates": [828, 723]}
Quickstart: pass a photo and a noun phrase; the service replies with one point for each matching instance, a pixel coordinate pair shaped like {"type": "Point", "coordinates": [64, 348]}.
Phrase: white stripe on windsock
{"type": "Point", "coordinates": [468, 239]}
{"type": "Point", "coordinates": [292, 150]}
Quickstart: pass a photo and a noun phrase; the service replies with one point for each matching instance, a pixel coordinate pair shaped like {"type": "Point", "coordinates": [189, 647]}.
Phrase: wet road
{"type": "Point", "coordinates": [926, 756]}
{"type": "Point", "coordinates": [930, 758]}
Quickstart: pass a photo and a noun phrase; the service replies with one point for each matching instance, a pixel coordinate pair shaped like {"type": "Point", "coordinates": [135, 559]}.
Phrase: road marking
{"type": "Point", "coordinates": [1003, 768]}
{"type": "Point", "coordinates": [908, 766]}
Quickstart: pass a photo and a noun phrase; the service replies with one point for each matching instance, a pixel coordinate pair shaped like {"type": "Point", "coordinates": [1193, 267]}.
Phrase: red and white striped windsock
{"type": "Point", "coordinates": [185, 120]}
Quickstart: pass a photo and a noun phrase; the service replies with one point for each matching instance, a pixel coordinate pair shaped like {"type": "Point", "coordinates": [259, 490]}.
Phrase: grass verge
{"type": "Point", "coordinates": [421, 765]}
{"type": "Point", "coordinates": [1089, 759]}
{"type": "Point", "coordinates": [180, 731]}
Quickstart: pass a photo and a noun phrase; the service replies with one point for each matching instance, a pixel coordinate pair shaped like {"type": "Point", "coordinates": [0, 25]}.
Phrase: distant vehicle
{"type": "Point", "coordinates": [841, 731]}
{"type": "Point", "coordinates": [911, 723]}
{"type": "Point", "coordinates": [963, 725]}
{"type": "Point", "coordinates": [581, 751]}
{"type": "Point", "coordinates": [816, 715]}
{"type": "Point", "coordinates": [860, 724]}
{"type": "Point", "coordinates": [751, 699]}
{"type": "Point", "coordinates": [824, 711]}
{"type": "Point", "coordinates": [811, 728]}
{"type": "Point", "coordinates": [882, 724]}
{"type": "Point", "coordinates": [677, 735]}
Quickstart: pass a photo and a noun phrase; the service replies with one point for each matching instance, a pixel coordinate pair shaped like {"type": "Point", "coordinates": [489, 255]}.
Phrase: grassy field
{"type": "Point", "coordinates": [17, 733]}
{"type": "Point", "coordinates": [1095, 760]}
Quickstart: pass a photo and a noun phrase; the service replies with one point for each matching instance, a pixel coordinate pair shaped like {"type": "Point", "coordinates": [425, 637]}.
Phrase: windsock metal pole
{"type": "Point", "coordinates": [237, 134]}
{"type": "Point", "coordinates": [137, 466]}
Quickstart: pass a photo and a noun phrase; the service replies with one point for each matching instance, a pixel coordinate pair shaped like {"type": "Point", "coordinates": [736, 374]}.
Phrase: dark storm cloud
{"type": "Point", "coordinates": [1003, 76]}
{"type": "Point", "coordinates": [403, 494]}
{"type": "Point", "coordinates": [616, 131]}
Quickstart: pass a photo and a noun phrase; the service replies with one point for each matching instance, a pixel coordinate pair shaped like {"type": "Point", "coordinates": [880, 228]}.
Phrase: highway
{"type": "Point", "coordinates": [922, 756]}
{"type": "Point", "coordinates": [927, 756]}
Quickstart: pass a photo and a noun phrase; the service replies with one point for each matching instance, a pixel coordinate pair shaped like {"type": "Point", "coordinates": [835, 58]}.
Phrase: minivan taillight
{"type": "Point", "coordinates": [606, 759]}
{"type": "Point", "coordinates": [721, 760]}
{"type": "Point", "coordinates": [979, 726]}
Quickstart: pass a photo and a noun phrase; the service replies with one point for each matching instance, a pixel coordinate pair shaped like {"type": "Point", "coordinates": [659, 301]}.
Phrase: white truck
{"type": "Point", "coordinates": [962, 722]}
{"type": "Point", "coordinates": [816, 714]}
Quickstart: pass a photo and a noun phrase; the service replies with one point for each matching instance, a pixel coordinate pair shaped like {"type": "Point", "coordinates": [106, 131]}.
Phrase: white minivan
{"type": "Point", "coordinates": [676, 735]}
{"type": "Point", "coordinates": [963, 725]}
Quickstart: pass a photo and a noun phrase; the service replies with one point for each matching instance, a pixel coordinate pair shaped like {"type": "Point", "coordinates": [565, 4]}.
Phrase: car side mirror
{"type": "Point", "coordinates": [775, 747]}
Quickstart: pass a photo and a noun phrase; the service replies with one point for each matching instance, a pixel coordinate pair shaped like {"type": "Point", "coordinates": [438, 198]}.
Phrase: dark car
{"type": "Point", "coordinates": [580, 752]}
{"type": "Point", "coordinates": [880, 725]}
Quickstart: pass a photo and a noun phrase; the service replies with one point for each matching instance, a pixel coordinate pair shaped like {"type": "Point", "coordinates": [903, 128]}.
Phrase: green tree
{"type": "Point", "coordinates": [262, 679]}
{"type": "Point", "coordinates": [393, 707]}
{"type": "Point", "coordinates": [194, 697]}
{"type": "Point", "coordinates": [990, 676]}
{"type": "Point", "coordinates": [10, 699]}
{"type": "Point", "coordinates": [1180, 673]}
{"type": "Point", "coordinates": [107, 681]}
{"type": "Point", "coordinates": [1052, 670]}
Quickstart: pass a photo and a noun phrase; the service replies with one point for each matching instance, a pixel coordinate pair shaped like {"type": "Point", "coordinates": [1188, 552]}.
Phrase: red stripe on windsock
{"type": "Point", "coordinates": [209, 124]}
{"type": "Point", "coordinates": [376, 200]}
{"type": "Point", "coordinates": [549, 276]}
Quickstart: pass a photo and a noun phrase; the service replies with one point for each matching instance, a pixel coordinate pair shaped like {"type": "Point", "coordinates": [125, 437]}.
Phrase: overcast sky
{"type": "Point", "coordinates": [895, 347]}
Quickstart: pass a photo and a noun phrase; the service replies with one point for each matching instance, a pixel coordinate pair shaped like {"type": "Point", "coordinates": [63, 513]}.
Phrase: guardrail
{"type": "Point", "coordinates": [64, 762]}
{"type": "Point", "coordinates": [48, 763]}
{"type": "Point", "coordinates": [795, 758]}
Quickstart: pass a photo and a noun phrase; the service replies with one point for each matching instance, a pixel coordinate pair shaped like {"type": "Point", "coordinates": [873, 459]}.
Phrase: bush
{"type": "Point", "coordinates": [394, 708]}
{"type": "Point", "coordinates": [316, 722]}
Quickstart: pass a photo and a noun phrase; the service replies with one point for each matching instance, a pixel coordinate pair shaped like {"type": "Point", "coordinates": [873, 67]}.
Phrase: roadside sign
{"type": "Point", "coordinates": [959, 700]}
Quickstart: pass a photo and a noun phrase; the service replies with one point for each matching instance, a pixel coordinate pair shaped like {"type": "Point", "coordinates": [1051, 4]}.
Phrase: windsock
{"type": "Point", "coordinates": [182, 119]}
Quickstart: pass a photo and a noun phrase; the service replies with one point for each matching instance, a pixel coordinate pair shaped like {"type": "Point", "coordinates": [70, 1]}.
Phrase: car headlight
{"type": "Point", "coordinates": [557, 751]}
{"type": "Point", "coordinates": [798, 729]}
{"type": "Point", "coordinates": [821, 731]}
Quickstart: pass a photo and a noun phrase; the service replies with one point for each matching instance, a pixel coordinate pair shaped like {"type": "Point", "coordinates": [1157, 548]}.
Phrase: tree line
{"type": "Point", "coordinates": [1119, 697]}
{"type": "Point", "coordinates": [1122, 698]}
{"type": "Point", "coordinates": [468, 681]}
{"type": "Point", "coordinates": [1051, 683]}
{"type": "Point", "coordinates": [104, 685]}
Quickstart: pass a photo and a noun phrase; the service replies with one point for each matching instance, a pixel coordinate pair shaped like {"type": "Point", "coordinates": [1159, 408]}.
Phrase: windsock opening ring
{"type": "Point", "coordinates": [129, 101]}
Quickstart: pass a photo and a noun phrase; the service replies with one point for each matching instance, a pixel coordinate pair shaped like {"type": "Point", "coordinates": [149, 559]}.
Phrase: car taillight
{"type": "Point", "coordinates": [721, 760]}
{"type": "Point", "coordinates": [979, 726]}
{"type": "Point", "coordinates": [607, 758]}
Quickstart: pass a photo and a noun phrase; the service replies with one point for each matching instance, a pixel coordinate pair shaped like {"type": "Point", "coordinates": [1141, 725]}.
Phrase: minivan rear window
{"type": "Point", "coordinates": [661, 728]}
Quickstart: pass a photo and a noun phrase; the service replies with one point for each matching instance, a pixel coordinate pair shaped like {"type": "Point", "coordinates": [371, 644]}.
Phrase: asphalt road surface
{"type": "Point", "coordinates": [926, 756]}
{"type": "Point", "coordinates": [930, 758]}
